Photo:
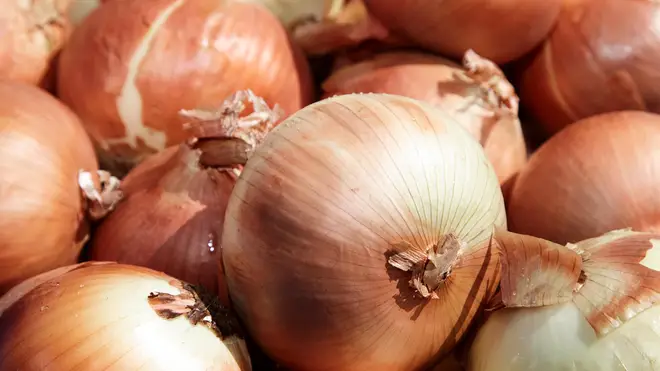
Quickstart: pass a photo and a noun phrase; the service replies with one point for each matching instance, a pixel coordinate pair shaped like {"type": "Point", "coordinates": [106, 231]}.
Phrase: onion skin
{"type": "Point", "coordinates": [42, 223]}
{"type": "Point", "coordinates": [597, 175]}
{"type": "Point", "coordinates": [599, 58]}
{"type": "Point", "coordinates": [318, 209]}
{"type": "Point", "coordinates": [100, 316]}
{"type": "Point", "coordinates": [432, 79]}
{"type": "Point", "coordinates": [501, 31]}
{"type": "Point", "coordinates": [192, 60]}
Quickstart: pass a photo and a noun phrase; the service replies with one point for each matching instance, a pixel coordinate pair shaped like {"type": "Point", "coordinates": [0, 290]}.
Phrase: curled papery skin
{"type": "Point", "coordinates": [597, 175]}
{"type": "Point", "coordinates": [347, 212]}
{"type": "Point", "coordinates": [31, 34]}
{"type": "Point", "coordinates": [599, 58]}
{"type": "Point", "coordinates": [474, 101]}
{"type": "Point", "coordinates": [500, 30]}
{"type": "Point", "coordinates": [106, 315]}
{"type": "Point", "coordinates": [43, 147]}
{"type": "Point", "coordinates": [132, 65]}
{"type": "Point", "coordinates": [591, 306]}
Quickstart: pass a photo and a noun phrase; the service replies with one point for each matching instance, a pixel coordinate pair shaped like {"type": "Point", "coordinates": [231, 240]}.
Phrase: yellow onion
{"type": "Point", "coordinates": [95, 316]}
{"type": "Point", "coordinates": [132, 65]}
{"type": "Point", "coordinates": [591, 306]}
{"type": "Point", "coordinates": [358, 235]}
{"type": "Point", "coordinates": [46, 158]}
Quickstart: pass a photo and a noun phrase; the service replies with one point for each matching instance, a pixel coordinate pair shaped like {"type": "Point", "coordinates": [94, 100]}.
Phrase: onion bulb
{"type": "Point", "coordinates": [172, 213]}
{"type": "Point", "coordinates": [589, 306]}
{"type": "Point", "coordinates": [46, 158]}
{"type": "Point", "coordinates": [131, 66]}
{"type": "Point", "coordinates": [479, 97]}
{"type": "Point", "coordinates": [95, 316]}
{"type": "Point", "coordinates": [502, 30]}
{"type": "Point", "coordinates": [600, 57]}
{"type": "Point", "coordinates": [598, 175]}
{"type": "Point", "coordinates": [358, 235]}
{"type": "Point", "coordinates": [31, 34]}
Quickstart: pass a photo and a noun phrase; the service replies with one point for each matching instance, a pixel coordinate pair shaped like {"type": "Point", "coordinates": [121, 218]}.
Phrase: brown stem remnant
{"type": "Point", "coordinates": [99, 202]}
{"type": "Point", "coordinates": [430, 267]}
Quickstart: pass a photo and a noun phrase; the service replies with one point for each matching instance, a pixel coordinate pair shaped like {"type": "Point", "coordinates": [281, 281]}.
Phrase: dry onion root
{"type": "Point", "coordinates": [591, 306]}
{"type": "Point", "coordinates": [362, 224]}
{"type": "Point", "coordinates": [479, 97]}
{"type": "Point", "coordinates": [131, 66]}
{"type": "Point", "coordinates": [95, 315]}
{"type": "Point", "coordinates": [171, 217]}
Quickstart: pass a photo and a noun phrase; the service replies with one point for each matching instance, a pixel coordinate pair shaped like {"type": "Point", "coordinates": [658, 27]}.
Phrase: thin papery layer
{"type": "Point", "coordinates": [610, 283]}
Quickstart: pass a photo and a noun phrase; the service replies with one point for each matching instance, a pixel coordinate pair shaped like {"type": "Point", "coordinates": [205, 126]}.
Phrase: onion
{"type": "Point", "coordinates": [599, 58]}
{"type": "Point", "coordinates": [31, 34]}
{"type": "Point", "coordinates": [500, 30]}
{"type": "Point", "coordinates": [106, 315]}
{"type": "Point", "coordinates": [132, 65]}
{"type": "Point", "coordinates": [479, 107]}
{"type": "Point", "coordinates": [592, 306]}
{"type": "Point", "coordinates": [171, 217]}
{"type": "Point", "coordinates": [46, 158]}
{"type": "Point", "coordinates": [598, 175]}
{"type": "Point", "coordinates": [358, 235]}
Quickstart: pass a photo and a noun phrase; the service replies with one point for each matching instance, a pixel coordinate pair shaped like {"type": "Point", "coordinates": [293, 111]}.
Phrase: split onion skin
{"type": "Point", "coordinates": [99, 316]}
{"type": "Point", "coordinates": [42, 223]}
{"type": "Point", "coordinates": [315, 214]}
{"type": "Point", "coordinates": [600, 57]}
{"type": "Point", "coordinates": [132, 65]}
{"type": "Point", "coordinates": [597, 175]}
{"type": "Point", "coordinates": [501, 31]}
{"type": "Point", "coordinates": [432, 79]}
{"type": "Point", "coordinates": [31, 34]}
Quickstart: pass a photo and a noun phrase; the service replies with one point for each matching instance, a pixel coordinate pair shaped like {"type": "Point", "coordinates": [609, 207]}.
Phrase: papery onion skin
{"type": "Point", "coordinates": [599, 58]}
{"type": "Point", "coordinates": [597, 175]}
{"type": "Point", "coordinates": [432, 79]}
{"type": "Point", "coordinates": [501, 31]}
{"type": "Point", "coordinates": [316, 212]}
{"type": "Point", "coordinates": [43, 146]}
{"type": "Point", "coordinates": [132, 65]}
{"type": "Point", "coordinates": [99, 315]}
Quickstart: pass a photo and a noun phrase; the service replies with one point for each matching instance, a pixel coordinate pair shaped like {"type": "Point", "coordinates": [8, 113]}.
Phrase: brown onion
{"type": "Point", "coordinates": [601, 57]}
{"type": "Point", "coordinates": [43, 148]}
{"type": "Point", "coordinates": [31, 34]}
{"type": "Point", "coordinates": [132, 65]}
{"type": "Point", "coordinates": [597, 175]}
{"type": "Point", "coordinates": [445, 84]}
{"type": "Point", "coordinates": [94, 316]}
{"type": "Point", "coordinates": [501, 30]}
{"type": "Point", "coordinates": [358, 235]}
{"type": "Point", "coordinates": [172, 214]}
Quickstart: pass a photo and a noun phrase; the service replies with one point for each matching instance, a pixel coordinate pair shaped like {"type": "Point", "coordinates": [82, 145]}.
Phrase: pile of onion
{"type": "Point", "coordinates": [31, 34]}
{"type": "Point", "coordinates": [98, 316]}
{"type": "Point", "coordinates": [132, 65]}
{"type": "Point", "coordinates": [46, 159]}
{"type": "Point", "coordinates": [171, 216]}
{"type": "Point", "coordinates": [502, 30]}
{"type": "Point", "coordinates": [358, 236]}
{"type": "Point", "coordinates": [601, 57]}
{"type": "Point", "coordinates": [597, 175]}
{"type": "Point", "coordinates": [589, 306]}
{"type": "Point", "coordinates": [479, 97]}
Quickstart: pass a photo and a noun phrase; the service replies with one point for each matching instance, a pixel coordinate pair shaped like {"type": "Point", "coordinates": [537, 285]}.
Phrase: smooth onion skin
{"type": "Point", "coordinates": [502, 30]}
{"type": "Point", "coordinates": [313, 216]}
{"type": "Point", "coordinates": [129, 86]}
{"type": "Point", "coordinates": [597, 175]}
{"type": "Point", "coordinates": [42, 146]}
{"type": "Point", "coordinates": [170, 219]}
{"type": "Point", "coordinates": [95, 316]}
{"type": "Point", "coordinates": [430, 79]}
{"type": "Point", "coordinates": [600, 57]}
